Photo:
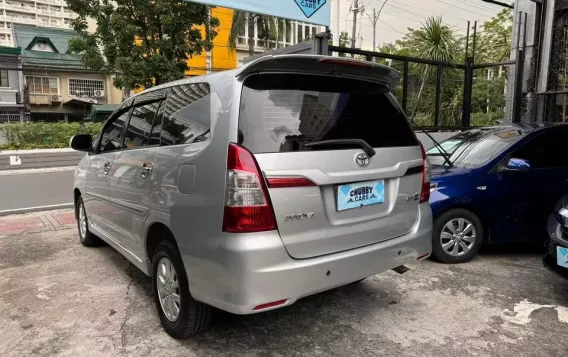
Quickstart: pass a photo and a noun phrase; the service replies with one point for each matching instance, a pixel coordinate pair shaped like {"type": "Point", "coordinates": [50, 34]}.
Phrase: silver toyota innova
{"type": "Point", "coordinates": [249, 189]}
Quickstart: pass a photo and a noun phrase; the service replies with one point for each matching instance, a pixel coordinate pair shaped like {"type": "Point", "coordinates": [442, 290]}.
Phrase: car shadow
{"type": "Point", "coordinates": [296, 326]}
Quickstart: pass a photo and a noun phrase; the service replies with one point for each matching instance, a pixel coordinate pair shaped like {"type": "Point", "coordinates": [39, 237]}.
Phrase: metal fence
{"type": "Point", "coordinates": [10, 116]}
{"type": "Point", "coordinates": [552, 105]}
{"type": "Point", "coordinates": [440, 96]}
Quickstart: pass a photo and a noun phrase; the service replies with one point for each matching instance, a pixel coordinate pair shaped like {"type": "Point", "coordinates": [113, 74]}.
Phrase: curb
{"type": "Point", "coordinates": [35, 209]}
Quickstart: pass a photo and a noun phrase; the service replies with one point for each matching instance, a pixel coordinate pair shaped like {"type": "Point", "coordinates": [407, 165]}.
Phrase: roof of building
{"type": "Point", "coordinates": [26, 36]}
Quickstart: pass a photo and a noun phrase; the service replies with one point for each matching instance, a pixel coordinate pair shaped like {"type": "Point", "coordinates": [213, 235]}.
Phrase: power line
{"type": "Point", "coordinates": [419, 8]}
{"type": "Point", "coordinates": [402, 33]}
{"type": "Point", "coordinates": [472, 4]}
{"type": "Point", "coordinates": [469, 10]}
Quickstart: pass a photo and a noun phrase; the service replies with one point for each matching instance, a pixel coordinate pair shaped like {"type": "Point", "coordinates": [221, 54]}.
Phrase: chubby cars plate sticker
{"type": "Point", "coordinates": [360, 194]}
{"type": "Point", "coordinates": [562, 257]}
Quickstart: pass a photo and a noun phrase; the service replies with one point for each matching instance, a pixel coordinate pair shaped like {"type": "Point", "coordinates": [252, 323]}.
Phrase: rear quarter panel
{"type": "Point", "coordinates": [195, 216]}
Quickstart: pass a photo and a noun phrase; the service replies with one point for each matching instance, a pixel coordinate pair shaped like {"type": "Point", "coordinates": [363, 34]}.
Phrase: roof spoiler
{"type": "Point", "coordinates": [323, 65]}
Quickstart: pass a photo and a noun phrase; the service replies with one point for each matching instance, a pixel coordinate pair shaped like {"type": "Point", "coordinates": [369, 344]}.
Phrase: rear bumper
{"type": "Point", "coordinates": [255, 269]}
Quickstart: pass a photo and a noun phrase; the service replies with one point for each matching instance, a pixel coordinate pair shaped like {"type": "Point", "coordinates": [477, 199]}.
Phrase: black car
{"type": "Point", "coordinates": [556, 258]}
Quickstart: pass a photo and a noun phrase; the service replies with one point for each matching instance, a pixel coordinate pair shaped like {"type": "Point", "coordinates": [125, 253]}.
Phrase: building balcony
{"type": "Point", "coordinates": [20, 20]}
{"type": "Point", "coordinates": [18, 7]}
{"type": "Point", "coordinates": [49, 12]}
{"type": "Point", "coordinates": [51, 2]}
{"type": "Point", "coordinates": [5, 30]}
{"type": "Point", "coordinates": [69, 15]}
{"type": "Point", "coordinates": [5, 42]}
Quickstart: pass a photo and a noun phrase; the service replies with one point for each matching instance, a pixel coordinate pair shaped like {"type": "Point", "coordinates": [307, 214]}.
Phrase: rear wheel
{"type": "Point", "coordinates": [86, 237]}
{"type": "Point", "coordinates": [181, 315]}
{"type": "Point", "coordinates": [457, 236]}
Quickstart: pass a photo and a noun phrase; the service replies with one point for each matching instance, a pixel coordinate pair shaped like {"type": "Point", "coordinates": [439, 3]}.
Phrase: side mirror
{"type": "Point", "coordinates": [515, 164]}
{"type": "Point", "coordinates": [82, 142]}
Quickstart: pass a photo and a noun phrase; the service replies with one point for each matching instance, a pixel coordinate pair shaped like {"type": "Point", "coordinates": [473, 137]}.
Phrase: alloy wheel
{"type": "Point", "coordinates": [458, 237]}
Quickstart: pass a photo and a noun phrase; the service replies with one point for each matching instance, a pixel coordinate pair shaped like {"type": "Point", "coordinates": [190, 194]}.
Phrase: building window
{"type": "Point", "coordinates": [4, 78]}
{"type": "Point", "coordinates": [42, 85]}
{"type": "Point", "coordinates": [86, 87]}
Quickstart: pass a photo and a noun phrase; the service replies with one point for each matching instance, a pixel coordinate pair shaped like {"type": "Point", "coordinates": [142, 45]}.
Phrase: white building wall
{"type": "Point", "coordinates": [45, 13]}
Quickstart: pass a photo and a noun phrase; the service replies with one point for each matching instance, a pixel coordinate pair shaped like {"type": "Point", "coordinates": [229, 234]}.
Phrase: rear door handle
{"type": "Point", "coordinates": [147, 169]}
{"type": "Point", "coordinates": [106, 167]}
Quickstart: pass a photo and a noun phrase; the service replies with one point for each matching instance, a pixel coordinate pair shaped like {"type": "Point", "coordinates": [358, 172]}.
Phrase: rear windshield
{"type": "Point", "coordinates": [282, 113]}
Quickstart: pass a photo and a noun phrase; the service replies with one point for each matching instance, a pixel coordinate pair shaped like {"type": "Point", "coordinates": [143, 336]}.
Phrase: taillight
{"type": "Point", "coordinates": [425, 191]}
{"type": "Point", "coordinates": [247, 204]}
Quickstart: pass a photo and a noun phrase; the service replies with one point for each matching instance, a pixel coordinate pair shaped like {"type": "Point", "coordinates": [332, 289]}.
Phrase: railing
{"type": "Point", "coordinates": [19, 7]}
{"type": "Point", "coordinates": [21, 20]}
{"type": "Point", "coordinates": [54, 2]}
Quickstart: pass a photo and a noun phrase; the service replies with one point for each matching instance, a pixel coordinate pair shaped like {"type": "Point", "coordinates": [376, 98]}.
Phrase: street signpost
{"type": "Point", "coordinates": [311, 11]}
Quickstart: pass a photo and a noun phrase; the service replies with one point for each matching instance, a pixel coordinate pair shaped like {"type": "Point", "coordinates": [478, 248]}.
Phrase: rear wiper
{"type": "Point", "coordinates": [368, 149]}
{"type": "Point", "coordinates": [442, 151]}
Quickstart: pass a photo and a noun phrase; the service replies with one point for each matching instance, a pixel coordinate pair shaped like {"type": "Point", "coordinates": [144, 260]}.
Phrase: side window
{"type": "Point", "coordinates": [112, 132]}
{"type": "Point", "coordinates": [140, 125]}
{"type": "Point", "coordinates": [545, 151]}
{"type": "Point", "coordinates": [187, 115]}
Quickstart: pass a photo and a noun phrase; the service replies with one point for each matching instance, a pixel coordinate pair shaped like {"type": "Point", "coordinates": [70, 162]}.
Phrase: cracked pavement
{"type": "Point", "coordinates": [58, 298]}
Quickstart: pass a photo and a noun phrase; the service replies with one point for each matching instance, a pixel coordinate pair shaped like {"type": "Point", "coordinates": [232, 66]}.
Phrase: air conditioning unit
{"type": "Point", "coordinates": [91, 100]}
{"type": "Point", "coordinates": [56, 98]}
{"type": "Point", "coordinates": [99, 93]}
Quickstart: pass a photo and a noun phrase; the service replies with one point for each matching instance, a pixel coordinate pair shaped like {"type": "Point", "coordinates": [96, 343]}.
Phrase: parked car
{"type": "Point", "coordinates": [249, 189]}
{"type": "Point", "coordinates": [556, 257]}
{"type": "Point", "coordinates": [498, 185]}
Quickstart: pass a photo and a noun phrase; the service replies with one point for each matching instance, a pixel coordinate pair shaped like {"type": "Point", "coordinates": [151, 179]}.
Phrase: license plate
{"type": "Point", "coordinates": [562, 257]}
{"type": "Point", "coordinates": [360, 194]}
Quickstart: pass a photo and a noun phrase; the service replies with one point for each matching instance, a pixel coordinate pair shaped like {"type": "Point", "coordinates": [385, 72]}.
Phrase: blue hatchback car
{"type": "Point", "coordinates": [497, 184]}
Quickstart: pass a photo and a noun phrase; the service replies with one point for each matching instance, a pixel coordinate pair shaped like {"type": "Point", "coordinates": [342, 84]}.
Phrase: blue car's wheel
{"type": "Point", "coordinates": [457, 236]}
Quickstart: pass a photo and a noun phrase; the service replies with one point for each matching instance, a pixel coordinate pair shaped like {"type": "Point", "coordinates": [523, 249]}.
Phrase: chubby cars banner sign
{"type": "Point", "coordinates": [311, 11]}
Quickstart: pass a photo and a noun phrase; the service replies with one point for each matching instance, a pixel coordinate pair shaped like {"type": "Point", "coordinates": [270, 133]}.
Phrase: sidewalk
{"type": "Point", "coordinates": [37, 222]}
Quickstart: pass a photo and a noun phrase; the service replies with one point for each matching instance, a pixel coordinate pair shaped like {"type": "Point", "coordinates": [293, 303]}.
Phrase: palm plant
{"type": "Point", "coordinates": [434, 41]}
{"type": "Point", "coordinates": [267, 29]}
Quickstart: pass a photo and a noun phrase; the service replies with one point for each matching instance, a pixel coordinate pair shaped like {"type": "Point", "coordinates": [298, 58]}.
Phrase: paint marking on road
{"type": "Point", "coordinates": [37, 171]}
{"type": "Point", "coordinates": [35, 209]}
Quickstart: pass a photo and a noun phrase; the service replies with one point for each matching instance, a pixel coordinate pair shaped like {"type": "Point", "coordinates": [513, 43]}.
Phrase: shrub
{"type": "Point", "coordinates": [44, 135]}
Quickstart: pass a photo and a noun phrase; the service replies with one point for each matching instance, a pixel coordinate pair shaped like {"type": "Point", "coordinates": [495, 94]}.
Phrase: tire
{"type": "Point", "coordinates": [193, 317]}
{"type": "Point", "coordinates": [470, 238]}
{"type": "Point", "coordinates": [85, 236]}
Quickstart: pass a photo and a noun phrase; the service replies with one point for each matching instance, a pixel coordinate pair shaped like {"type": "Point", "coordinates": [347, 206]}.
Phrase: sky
{"type": "Point", "coordinates": [398, 15]}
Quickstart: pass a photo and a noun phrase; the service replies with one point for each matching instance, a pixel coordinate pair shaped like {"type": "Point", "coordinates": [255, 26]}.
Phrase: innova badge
{"type": "Point", "coordinates": [362, 159]}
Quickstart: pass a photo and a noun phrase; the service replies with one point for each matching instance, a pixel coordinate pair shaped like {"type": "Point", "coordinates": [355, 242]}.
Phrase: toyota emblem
{"type": "Point", "coordinates": [362, 159]}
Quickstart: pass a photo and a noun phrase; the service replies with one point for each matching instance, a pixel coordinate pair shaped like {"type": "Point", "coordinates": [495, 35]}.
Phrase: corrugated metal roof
{"type": "Point", "coordinates": [24, 35]}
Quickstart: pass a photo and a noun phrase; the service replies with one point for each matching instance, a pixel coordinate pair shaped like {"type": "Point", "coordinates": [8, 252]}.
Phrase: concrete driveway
{"type": "Point", "coordinates": [60, 299]}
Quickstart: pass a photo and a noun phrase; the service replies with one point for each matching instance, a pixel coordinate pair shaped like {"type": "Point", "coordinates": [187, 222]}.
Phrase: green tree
{"type": "Point", "coordinates": [433, 41]}
{"type": "Point", "coordinates": [494, 41]}
{"type": "Point", "coordinates": [267, 28]}
{"type": "Point", "coordinates": [144, 43]}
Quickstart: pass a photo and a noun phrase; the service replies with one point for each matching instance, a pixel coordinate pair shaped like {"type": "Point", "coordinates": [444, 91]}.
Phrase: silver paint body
{"type": "Point", "coordinates": [236, 272]}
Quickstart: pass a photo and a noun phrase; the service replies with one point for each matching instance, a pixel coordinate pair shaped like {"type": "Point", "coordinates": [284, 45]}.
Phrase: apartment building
{"type": "Point", "coordinates": [45, 13]}
{"type": "Point", "coordinates": [221, 58]}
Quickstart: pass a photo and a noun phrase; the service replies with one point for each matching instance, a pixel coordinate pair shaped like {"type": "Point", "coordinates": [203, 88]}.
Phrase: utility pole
{"type": "Point", "coordinates": [374, 21]}
{"type": "Point", "coordinates": [356, 10]}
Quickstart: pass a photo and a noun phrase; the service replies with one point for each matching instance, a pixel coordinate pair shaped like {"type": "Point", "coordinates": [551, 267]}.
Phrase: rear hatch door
{"type": "Point", "coordinates": [356, 200]}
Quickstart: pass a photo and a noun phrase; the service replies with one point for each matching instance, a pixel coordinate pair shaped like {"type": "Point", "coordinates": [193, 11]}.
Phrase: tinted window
{"type": "Point", "coordinates": [477, 147]}
{"type": "Point", "coordinates": [282, 113]}
{"type": "Point", "coordinates": [112, 133]}
{"type": "Point", "coordinates": [187, 115]}
{"type": "Point", "coordinates": [545, 151]}
{"type": "Point", "coordinates": [140, 126]}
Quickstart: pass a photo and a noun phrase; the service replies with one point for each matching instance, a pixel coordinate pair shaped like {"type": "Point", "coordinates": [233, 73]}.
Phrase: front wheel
{"type": "Point", "coordinates": [180, 314]}
{"type": "Point", "coordinates": [457, 236]}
